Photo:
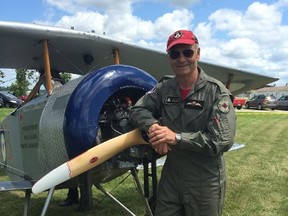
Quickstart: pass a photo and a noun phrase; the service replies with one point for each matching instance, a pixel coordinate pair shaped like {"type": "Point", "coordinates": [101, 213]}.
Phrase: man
{"type": "Point", "coordinates": [191, 119]}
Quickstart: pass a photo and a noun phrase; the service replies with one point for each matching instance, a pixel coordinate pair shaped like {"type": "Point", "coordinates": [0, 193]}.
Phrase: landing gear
{"type": "Point", "coordinates": [86, 202]}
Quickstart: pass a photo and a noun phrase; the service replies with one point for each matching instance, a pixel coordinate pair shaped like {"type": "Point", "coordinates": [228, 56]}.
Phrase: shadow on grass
{"type": "Point", "coordinates": [12, 203]}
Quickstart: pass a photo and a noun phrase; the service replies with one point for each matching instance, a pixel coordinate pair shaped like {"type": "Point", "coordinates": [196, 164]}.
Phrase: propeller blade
{"type": "Point", "coordinates": [89, 159]}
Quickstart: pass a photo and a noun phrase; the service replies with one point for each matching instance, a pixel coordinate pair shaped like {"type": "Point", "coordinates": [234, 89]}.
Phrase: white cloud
{"type": "Point", "coordinates": [93, 21]}
{"type": "Point", "coordinates": [178, 19]}
{"type": "Point", "coordinates": [128, 27]}
{"type": "Point", "coordinates": [225, 19]}
{"type": "Point", "coordinates": [253, 39]}
{"type": "Point", "coordinates": [282, 4]}
{"type": "Point", "coordinates": [236, 48]}
{"type": "Point", "coordinates": [69, 6]}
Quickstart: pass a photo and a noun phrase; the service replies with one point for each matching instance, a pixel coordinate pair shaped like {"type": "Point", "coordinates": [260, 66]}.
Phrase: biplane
{"type": "Point", "coordinates": [67, 120]}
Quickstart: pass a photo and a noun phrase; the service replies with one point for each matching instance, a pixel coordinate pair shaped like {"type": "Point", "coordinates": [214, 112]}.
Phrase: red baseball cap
{"type": "Point", "coordinates": [181, 37]}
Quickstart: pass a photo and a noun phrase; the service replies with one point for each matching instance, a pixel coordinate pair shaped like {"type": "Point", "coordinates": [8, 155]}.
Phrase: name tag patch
{"type": "Point", "coordinates": [172, 100]}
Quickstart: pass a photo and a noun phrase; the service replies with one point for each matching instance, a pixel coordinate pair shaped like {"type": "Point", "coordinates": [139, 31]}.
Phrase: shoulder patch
{"type": "Point", "coordinates": [223, 105]}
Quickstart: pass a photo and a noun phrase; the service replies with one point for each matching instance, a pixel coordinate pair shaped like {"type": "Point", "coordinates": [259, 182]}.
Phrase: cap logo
{"type": "Point", "coordinates": [177, 34]}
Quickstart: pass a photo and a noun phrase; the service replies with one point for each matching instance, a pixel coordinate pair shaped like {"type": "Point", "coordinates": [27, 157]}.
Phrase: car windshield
{"type": "Point", "coordinates": [10, 96]}
{"type": "Point", "coordinates": [271, 97]}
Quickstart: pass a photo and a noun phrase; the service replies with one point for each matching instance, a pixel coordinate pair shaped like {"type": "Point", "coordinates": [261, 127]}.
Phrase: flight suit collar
{"type": "Point", "coordinates": [201, 82]}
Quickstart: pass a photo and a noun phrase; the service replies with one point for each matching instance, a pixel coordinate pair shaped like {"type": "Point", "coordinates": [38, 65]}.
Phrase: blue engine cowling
{"type": "Point", "coordinates": [81, 121]}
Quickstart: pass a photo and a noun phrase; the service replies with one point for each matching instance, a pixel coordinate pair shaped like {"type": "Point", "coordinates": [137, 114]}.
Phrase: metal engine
{"type": "Point", "coordinates": [114, 121]}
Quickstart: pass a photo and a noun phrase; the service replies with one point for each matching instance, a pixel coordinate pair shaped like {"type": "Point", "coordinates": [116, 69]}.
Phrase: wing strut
{"type": "Point", "coordinates": [116, 56]}
{"type": "Point", "coordinates": [47, 70]}
{"type": "Point", "coordinates": [229, 81]}
{"type": "Point", "coordinates": [34, 90]}
{"type": "Point", "coordinates": [47, 67]}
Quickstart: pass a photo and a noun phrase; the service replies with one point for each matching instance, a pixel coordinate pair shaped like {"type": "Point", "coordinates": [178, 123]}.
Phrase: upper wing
{"type": "Point", "coordinates": [72, 51]}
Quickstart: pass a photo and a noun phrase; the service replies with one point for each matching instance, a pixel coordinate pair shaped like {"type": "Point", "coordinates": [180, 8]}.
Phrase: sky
{"type": "Point", "coordinates": [247, 35]}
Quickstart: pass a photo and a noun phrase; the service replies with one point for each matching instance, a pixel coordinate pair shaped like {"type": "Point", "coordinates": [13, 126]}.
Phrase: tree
{"type": "Point", "coordinates": [1, 75]}
{"type": "Point", "coordinates": [20, 87]}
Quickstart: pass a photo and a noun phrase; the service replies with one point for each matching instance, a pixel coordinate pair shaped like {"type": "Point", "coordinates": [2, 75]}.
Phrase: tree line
{"type": "Point", "coordinates": [21, 85]}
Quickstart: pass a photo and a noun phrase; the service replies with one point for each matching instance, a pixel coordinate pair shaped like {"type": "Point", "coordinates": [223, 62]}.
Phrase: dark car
{"type": "Point", "coordinates": [261, 102]}
{"type": "Point", "coordinates": [1, 102]}
{"type": "Point", "coordinates": [9, 100]}
{"type": "Point", "coordinates": [282, 102]}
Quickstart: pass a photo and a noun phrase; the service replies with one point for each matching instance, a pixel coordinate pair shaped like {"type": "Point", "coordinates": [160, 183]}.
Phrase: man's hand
{"type": "Point", "coordinates": [161, 137]}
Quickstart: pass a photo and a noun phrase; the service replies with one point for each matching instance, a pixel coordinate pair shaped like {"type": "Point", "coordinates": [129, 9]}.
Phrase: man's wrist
{"type": "Point", "coordinates": [178, 138]}
{"type": "Point", "coordinates": [149, 127]}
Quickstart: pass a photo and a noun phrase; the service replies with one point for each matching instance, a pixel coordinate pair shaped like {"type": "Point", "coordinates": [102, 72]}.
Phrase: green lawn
{"type": "Point", "coordinates": [4, 112]}
{"type": "Point", "coordinates": [257, 176]}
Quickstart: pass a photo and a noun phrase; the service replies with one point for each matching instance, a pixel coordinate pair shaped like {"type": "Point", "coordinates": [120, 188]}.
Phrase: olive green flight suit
{"type": "Point", "coordinates": [193, 177]}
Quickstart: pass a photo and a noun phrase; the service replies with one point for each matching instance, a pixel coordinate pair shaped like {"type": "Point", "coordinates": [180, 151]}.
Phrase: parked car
{"type": "Point", "coordinates": [282, 102]}
{"type": "Point", "coordinates": [261, 102]}
{"type": "Point", "coordinates": [9, 100]}
{"type": "Point", "coordinates": [1, 102]}
{"type": "Point", "coordinates": [239, 102]}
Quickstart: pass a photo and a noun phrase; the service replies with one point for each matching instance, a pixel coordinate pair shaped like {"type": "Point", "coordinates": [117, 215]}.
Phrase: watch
{"type": "Point", "coordinates": [178, 137]}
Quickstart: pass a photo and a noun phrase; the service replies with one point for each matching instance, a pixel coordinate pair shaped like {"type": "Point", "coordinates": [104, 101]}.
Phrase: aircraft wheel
{"type": "Point", "coordinates": [259, 107]}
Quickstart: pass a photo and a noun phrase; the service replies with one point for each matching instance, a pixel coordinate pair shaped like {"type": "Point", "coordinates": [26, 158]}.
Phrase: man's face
{"type": "Point", "coordinates": [183, 59]}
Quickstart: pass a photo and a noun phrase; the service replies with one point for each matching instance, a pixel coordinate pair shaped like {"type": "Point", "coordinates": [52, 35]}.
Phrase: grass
{"type": "Point", "coordinates": [257, 176]}
{"type": "Point", "coordinates": [4, 112]}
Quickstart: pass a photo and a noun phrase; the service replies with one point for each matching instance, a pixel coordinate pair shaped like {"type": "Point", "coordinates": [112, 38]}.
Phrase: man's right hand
{"type": "Point", "coordinates": [160, 137]}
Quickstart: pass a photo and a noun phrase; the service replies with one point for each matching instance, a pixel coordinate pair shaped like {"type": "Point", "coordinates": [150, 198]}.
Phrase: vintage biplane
{"type": "Point", "coordinates": [66, 120]}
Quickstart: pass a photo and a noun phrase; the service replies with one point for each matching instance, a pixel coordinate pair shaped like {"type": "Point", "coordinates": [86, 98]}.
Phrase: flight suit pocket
{"type": "Point", "coordinates": [218, 127]}
{"type": "Point", "coordinates": [171, 112]}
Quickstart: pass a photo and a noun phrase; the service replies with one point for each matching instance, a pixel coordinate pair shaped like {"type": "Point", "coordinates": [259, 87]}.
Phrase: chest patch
{"type": "Point", "coordinates": [194, 104]}
{"type": "Point", "coordinates": [172, 100]}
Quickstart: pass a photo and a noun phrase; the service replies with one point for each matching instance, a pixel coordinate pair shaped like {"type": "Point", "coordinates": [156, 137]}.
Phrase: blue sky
{"type": "Point", "coordinates": [248, 35]}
